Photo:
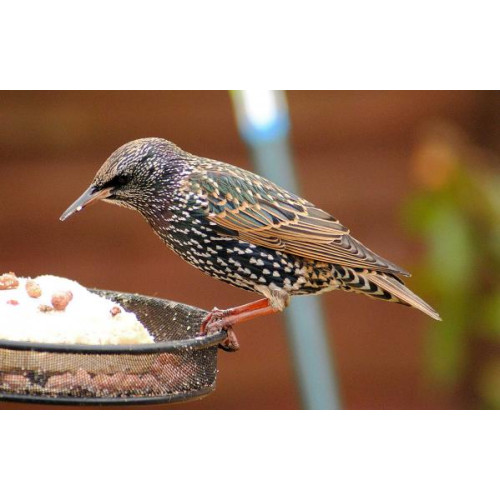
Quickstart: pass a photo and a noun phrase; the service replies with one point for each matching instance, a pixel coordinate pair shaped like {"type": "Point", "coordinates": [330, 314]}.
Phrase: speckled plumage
{"type": "Point", "coordinates": [242, 229]}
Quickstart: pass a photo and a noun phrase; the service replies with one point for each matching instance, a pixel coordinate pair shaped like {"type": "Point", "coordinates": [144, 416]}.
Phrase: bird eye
{"type": "Point", "coordinates": [121, 180]}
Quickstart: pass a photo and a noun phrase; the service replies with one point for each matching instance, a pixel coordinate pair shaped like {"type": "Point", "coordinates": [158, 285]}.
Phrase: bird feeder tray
{"type": "Point", "coordinates": [178, 366]}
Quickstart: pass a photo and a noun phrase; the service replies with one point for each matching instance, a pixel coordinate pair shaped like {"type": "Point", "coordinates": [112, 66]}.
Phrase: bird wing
{"type": "Point", "coordinates": [257, 211]}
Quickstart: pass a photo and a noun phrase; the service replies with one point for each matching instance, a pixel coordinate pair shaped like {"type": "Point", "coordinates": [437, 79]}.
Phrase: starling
{"type": "Point", "coordinates": [242, 229]}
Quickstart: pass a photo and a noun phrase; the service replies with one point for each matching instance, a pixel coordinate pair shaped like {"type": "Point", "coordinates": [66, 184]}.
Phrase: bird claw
{"type": "Point", "coordinates": [230, 343]}
{"type": "Point", "coordinates": [213, 323]}
{"type": "Point", "coordinates": [214, 315]}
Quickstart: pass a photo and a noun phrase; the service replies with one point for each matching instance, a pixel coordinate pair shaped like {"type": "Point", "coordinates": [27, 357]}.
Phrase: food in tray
{"type": "Point", "coordinates": [58, 310]}
{"type": "Point", "coordinates": [168, 373]}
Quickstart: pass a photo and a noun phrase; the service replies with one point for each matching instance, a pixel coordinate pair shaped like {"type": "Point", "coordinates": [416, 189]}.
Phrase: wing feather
{"type": "Point", "coordinates": [267, 215]}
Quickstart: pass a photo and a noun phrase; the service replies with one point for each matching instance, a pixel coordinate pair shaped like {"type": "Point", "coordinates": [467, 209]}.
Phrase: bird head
{"type": "Point", "coordinates": [133, 175]}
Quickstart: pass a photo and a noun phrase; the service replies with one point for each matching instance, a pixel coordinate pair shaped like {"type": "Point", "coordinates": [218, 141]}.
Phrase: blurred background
{"type": "Point", "coordinates": [415, 175]}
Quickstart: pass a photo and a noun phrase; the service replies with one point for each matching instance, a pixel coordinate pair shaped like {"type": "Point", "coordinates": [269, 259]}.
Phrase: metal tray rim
{"type": "Point", "coordinates": [158, 347]}
{"type": "Point", "coordinates": [116, 401]}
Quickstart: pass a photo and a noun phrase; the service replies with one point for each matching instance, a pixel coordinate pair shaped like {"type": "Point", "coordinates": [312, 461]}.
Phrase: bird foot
{"type": "Point", "coordinates": [209, 325]}
{"type": "Point", "coordinates": [218, 319]}
{"type": "Point", "coordinates": [213, 322]}
{"type": "Point", "coordinates": [230, 344]}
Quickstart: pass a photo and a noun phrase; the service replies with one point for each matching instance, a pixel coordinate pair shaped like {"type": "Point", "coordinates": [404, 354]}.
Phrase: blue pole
{"type": "Point", "coordinates": [264, 124]}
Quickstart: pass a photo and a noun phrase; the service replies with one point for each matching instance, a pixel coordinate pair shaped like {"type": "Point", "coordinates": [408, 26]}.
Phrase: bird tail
{"type": "Point", "coordinates": [386, 287]}
{"type": "Point", "coordinates": [401, 293]}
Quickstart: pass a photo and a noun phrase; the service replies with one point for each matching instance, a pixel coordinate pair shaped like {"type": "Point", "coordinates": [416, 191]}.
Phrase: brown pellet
{"type": "Point", "coordinates": [60, 300]}
{"type": "Point", "coordinates": [33, 289]}
{"type": "Point", "coordinates": [83, 378]}
{"type": "Point", "coordinates": [64, 381]}
{"type": "Point", "coordinates": [115, 310]}
{"type": "Point", "coordinates": [102, 382]}
{"type": "Point", "coordinates": [8, 281]}
{"type": "Point", "coordinates": [13, 381]}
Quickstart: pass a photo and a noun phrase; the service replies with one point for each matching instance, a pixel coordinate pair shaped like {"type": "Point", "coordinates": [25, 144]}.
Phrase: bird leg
{"type": "Point", "coordinates": [219, 319]}
{"type": "Point", "coordinates": [222, 318]}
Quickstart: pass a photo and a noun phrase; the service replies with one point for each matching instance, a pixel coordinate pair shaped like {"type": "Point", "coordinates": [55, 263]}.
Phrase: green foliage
{"type": "Point", "coordinates": [457, 215]}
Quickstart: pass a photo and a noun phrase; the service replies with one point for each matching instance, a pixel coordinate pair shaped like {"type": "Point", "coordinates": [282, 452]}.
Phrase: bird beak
{"type": "Point", "coordinates": [88, 197]}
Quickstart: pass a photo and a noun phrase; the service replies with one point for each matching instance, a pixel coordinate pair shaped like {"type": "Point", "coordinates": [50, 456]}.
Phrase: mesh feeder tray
{"type": "Point", "coordinates": [179, 366]}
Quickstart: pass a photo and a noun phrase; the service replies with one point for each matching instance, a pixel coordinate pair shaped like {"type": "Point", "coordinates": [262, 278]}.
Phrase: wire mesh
{"type": "Point", "coordinates": [180, 365]}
